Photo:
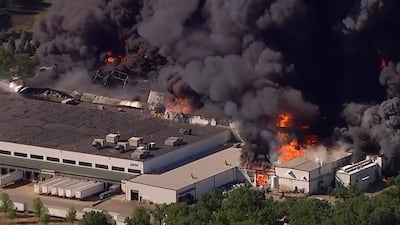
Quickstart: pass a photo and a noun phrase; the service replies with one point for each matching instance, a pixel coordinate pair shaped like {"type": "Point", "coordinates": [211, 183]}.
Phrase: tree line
{"type": "Point", "coordinates": [246, 206]}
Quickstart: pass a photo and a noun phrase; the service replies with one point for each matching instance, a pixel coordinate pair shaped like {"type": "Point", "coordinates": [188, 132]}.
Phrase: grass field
{"type": "Point", "coordinates": [30, 220]}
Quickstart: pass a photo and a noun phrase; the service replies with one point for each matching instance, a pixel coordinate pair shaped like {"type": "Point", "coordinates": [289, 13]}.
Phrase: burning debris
{"type": "Point", "coordinates": [253, 58]}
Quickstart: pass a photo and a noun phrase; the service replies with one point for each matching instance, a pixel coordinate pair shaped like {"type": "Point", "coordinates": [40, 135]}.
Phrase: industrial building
{"type": "Point", "coordinates": [310, 174]}
{"type": "Point", "coordinates": [45, 137]}
{"type": "Point", "coordinates": [188, 182]}
{"type": "Point", "coordinates": [361, 174]}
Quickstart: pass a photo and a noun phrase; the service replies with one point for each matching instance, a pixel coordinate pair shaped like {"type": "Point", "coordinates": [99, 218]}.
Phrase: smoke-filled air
{"type": "Point", "coordinates": [285, 71]}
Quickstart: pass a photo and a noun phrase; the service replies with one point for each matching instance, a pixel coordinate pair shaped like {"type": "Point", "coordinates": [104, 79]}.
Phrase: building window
{"type": "Point", "coordinates": [37, 157]}
{"type": "Point", "coordinates": [101, 166]}
{"type": "Point", "coordinates": [68, 161]}
{"type": "Point", "coordinates": [52, 159]}
{"type": "Point", "coordinates": [118, 168]}
{"type": "Point", "coordinates": [133, 171]}
{"type": "Point", "coordinates": [85, 164]}
{"type": "Point", "coordinates": [19, 154]}
{"type": "Point", "coordinates": [5, 152]}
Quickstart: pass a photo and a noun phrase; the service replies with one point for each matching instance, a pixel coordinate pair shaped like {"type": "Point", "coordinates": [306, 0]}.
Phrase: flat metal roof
{"type": "Point", "coordinates": [309, 162]}
{"type": "Point", "coordinates": [73, 127]}
{"type": "Point", "coordinates": [65, 169]}
{"type": "Point", "coordinates": [193, 172]}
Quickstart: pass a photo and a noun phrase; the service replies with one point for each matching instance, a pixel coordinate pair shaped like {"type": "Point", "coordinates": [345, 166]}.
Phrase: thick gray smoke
{"type": "Point", "coordinates": [216, 48]}
{"type": "Point", "coordinates": [366, 9]}
{"type": "Point", "coordinates": [376, 128]}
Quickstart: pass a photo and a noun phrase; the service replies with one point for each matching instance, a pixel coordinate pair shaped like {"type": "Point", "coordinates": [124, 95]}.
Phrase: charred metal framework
{"type": "Point", "coordinates": [110, 78]}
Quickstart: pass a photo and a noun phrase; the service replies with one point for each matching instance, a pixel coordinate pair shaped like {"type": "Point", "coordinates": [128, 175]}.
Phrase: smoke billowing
{"type": "Point", "coordinates": [375, 128]}
{"type": "Point", "coordinates": [253, 58]}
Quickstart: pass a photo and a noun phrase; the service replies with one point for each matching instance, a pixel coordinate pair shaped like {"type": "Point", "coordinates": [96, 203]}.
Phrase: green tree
{"type": "Point", "coordinates": [71, 215]}
{"type": "Point", "coordinates": [6, 203]}
{"type": "Point", "coordinates": [242, 204]}
{"type": "Point", "coordinates": [7, 61]}
{"type": "Point", "coordinates": [12, 214]}
{"type": "Point", "coordinates": [94, 218]}
{"type": "Point", "coordinates": [38, 207]}
{"type": "Point", "coordinates": [346, 193]}
{"type": "Point", "coordinates": [7, 206]}
{"type": "Point", "coordinates": [310, 212]}
{"type": "Point", "coordinates": [159, 213]}
{"type": "Point", "coordinates": [44, 216]}
{"type": "Point", "coordinates": [177, 214]}
{"type": "Point", "coordinates": [139, 217]}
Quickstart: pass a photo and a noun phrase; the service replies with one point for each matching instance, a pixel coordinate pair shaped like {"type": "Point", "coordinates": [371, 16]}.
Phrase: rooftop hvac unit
{"type": "Point", "coordinates": [185, 131]}
{"type": "Point", "coordinates": [98, 143]}
{"type": "Point", "coordinates": [112, 138]}
{"type": "Point", "coordinates": [140, 154]}
{"type": "Point", "coordinates": [173, 141]}
{"type": "Point", "coordinates": [122, 147]}
{"type": "Point", "coordinates": [135, 141]}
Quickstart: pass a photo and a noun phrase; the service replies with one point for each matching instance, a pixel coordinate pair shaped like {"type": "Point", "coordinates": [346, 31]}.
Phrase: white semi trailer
{"type": "Point", "coordinates": [53, 190]}
{"type": "Point", "coordinates": [11, 177]}
{"type": "Point", "coordinates": [70, 192]}
{"type": "Point", "coordinates": [61, 190]}
{"type": "Point", "coordinates": [46, 189]}
{"type": "Point", "coordinates": [37, 188]}
{"type": "Point", "coordinates": [90, 190]}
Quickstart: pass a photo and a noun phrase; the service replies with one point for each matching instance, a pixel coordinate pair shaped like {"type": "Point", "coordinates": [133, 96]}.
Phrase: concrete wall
{"type": "Point", "coordinates": [186, 151]}
{"type": "Point", "coordinates": [151, 193]}
{"type": "Point", "coordinates": [77, 156]}
{"type": "Point", "coordinates": [225, 177]}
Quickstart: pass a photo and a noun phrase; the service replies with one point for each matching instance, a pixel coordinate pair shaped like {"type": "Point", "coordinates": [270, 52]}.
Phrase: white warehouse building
{"type": "Point", "coordinates": [361, 174]}
{"type": "Point", "coordinates": [188, 182]}
{"type": "Point", "coordinates": [310, 174]}
{"type": "Point", "coordinates": [59, 139]}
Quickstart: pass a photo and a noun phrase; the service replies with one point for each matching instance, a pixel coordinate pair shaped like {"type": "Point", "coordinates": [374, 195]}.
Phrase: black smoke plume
{"type": "Point", "coordinates": [375, 128]}
{"type": "Point", "coordinates": [254, 58]}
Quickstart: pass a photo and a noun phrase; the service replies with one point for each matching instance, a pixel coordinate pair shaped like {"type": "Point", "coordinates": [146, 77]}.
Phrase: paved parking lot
{"type": "Point", "coordinates": [23, 193]}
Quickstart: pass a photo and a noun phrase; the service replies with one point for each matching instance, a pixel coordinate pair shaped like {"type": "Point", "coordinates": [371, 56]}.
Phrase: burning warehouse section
{"type": "Point", "coordinates": [306, 107]}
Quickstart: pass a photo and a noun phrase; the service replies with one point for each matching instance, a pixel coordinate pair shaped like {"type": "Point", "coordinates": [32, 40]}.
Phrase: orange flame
{"type": "Point", "coordinates": [291, 148]}
{"type": "Point", "coordinates": [284, 120]}
{"type": "Point", "coordinates": [178, 105]}
{"type": "Point", "coordinates": [261, 179]}
{"type": "Point", "coordinates": [110, 58]}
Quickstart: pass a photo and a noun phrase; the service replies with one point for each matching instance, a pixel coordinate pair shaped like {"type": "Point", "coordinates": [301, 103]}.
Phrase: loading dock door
{"type": "Point", "coordinates": [134, 195]}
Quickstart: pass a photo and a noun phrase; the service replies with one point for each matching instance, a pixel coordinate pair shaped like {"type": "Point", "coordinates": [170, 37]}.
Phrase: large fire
{"type": "Point", "coordinates": [291, 148]}
{"type": "Point", "coordinates": [178, 105]}
{"type": "Point", "coordinates": [110, 58]}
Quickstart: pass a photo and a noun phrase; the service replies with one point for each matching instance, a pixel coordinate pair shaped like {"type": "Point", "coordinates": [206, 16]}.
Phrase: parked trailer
{"type": "Point", "coordinates": [39, 187]}
{"type": "Point", "coordinates": [46, 189]}
{"type": "Point", "coordinates": [90, 190]}
{"type": "Point", "coordinates": [61, 190]}
{"type": "Point", "coordinates": [11, 177]}
{"type": "Point", "coordinates": [70, 192]}
{"type": "Point", "coordinates": [20, 207]}
{"type": "Point", "coordinates": [53, 190]}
